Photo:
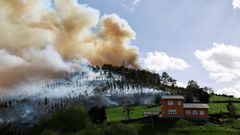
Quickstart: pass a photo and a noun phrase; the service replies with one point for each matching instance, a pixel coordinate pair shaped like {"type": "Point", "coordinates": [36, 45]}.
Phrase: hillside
{"type": "Point", "coordinates": [92, 86]}
{"type": "Point", "coordinates": [137, 125]}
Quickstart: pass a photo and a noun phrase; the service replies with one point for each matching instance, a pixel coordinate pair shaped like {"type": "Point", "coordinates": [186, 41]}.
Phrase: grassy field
{"type": "Point", "coordinates": [174, 126]}
{"type": "Point", "coordinates": [180, 127]}
{"type": "Point", "coordinates": [119, 113]}
{"type": "Point", "coordinates": [138, 125]}
{"type": "Point", "coordinates": [220, 107]}
{"type": "Point", "coordinates": [214, 98]}
{"type": "Point", "coordinates": [217, 108]}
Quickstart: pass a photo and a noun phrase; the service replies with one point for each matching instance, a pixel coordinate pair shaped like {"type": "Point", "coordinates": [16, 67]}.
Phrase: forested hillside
{"type": "Point", "coordinates": [142, 78]}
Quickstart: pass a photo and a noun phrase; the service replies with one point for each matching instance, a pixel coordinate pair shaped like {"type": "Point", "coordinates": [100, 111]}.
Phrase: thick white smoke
{"type": "Point", "coordinates": [45, 39]}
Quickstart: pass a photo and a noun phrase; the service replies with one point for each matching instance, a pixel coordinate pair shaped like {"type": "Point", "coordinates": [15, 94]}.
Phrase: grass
{"type": "Point", "coordinates": [217, 108]}
{"type": "Point", "coordinates": [231, 123]}
{"type": "Point", "coordinates": [214, 98]}
{"type": "Point", "coordinates": [180, 127]}
{"type": "Point", "coordinates": [119, 113]}
{"type": "Point", "coordinates": [208, 129]}
{"type": "Point", "coordinates": [220, 107]}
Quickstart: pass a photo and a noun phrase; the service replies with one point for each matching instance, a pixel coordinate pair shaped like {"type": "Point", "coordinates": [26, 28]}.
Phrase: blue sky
{"type": "Point", "coordinates": [177, 29]}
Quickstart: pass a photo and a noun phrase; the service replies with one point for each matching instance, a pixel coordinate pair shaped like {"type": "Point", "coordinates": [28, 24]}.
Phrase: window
{"type": "Point", "coordinates": [172, 111]}
{"type": "Point", "coordinates": [188, 112]}
{"type": "Point", "coordinates": [201, 112]}
{"type": "Point", "coordinates": [194, 112]}
{"type": "Point", "coordinates": [179, 102]}
{"type": "Point", "coordinates": [170, 102]}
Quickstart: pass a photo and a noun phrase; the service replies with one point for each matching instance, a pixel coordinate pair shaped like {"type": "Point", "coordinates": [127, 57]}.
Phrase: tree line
{"type": "Point", "coordinates": [143, 78]}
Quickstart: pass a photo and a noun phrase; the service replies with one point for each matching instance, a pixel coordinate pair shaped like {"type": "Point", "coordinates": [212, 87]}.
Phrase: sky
{"type": "Point", "coordinates": [189, 39]}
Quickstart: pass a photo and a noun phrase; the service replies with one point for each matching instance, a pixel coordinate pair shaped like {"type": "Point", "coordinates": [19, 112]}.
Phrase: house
{"type": "Point", "coordinates": [196, 111]}
{"type": "Point", "coordinates": [174, 107]}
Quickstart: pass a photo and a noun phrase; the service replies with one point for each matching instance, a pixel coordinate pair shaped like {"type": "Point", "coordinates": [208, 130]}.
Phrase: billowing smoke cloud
{"type": "Point", "coordinates": [48, 38]}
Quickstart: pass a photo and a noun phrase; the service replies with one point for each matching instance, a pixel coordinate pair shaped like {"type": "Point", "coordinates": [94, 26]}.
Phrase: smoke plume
{"type": "Point", "coordinates": [47, 38]}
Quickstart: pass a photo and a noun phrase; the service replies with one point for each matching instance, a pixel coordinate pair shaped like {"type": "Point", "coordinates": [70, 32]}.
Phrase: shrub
{"type": "Point", "coordinates": [97, 114]}
{"type": "Point", "coordinates": [232, 109]}
{"type": "Point", "coordinates": [49, 132]}
{"type": "Point", "coordinates": [91, 131]}
{"type": "Point", "coordinates": [182, 123]}
{"type": "Point", "coordinates": [120, 129]}
{"type": "Point", "coordinates": [75, 120]}
{"type": "Point", "coordinates": [70, 120]}
{"type": "Point", "coordinates": [66, 121]}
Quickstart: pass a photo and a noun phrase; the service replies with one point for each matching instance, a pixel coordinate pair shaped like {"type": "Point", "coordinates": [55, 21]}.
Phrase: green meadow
{"type": "Point", "coordinates": [118, 124]}
{"type": "Point", "coordinates": [177, 126]}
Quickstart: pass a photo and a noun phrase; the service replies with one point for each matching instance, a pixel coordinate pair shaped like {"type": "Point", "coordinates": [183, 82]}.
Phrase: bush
{"type": "Point", "coordinates": [232, 109]}
{"type": "Point", "coordinates": [120, 129]}
{"type": "Point", "coordinates": [75, 120]}
{"type": "Point", "coordinates": [65, 121]}
{"type": "Point", "coordinates": [70, 120]}
{"type": "Point", "coordinates": [97, 114]}
{"type": "Point", "coordinates": [49, 132]}
{"type": "Point", "coordinates": [182, 123]}
{"type": "Point", "coordinates": [92, 131]}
